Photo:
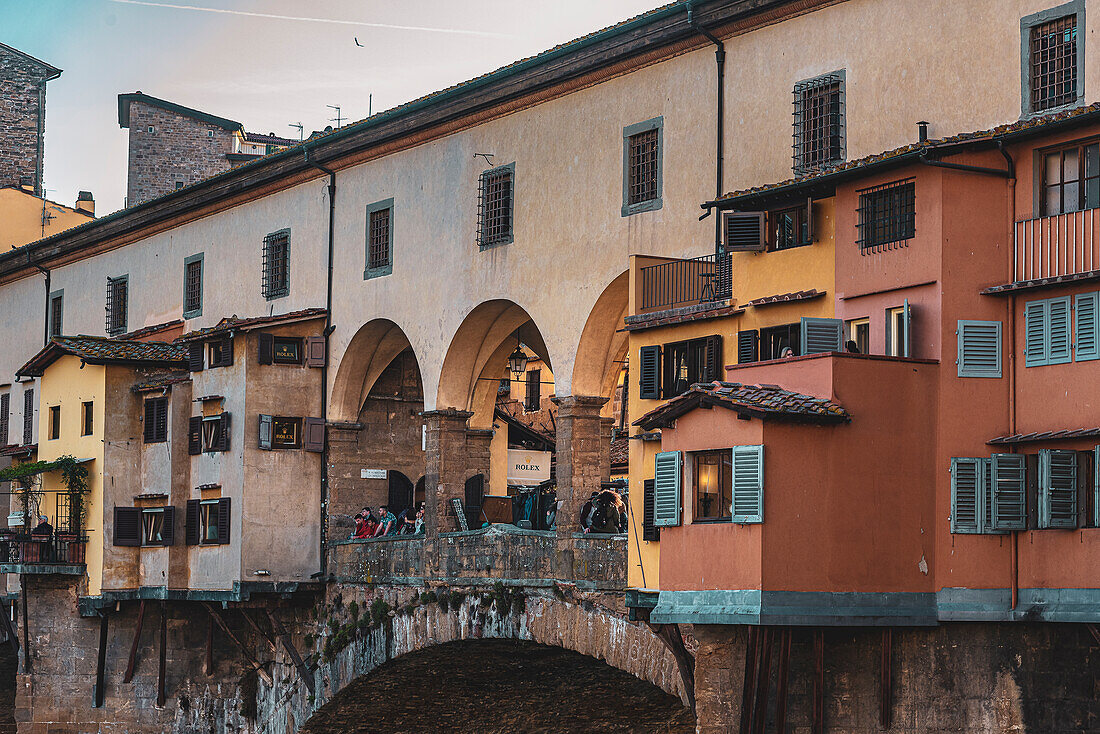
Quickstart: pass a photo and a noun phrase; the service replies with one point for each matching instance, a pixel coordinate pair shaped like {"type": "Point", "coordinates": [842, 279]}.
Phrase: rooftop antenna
{"type": "Point", "coordinates": [370, 104]}
{"type": "Point", "coordinates": [299, 126]}
{"type": "Point", "coordinates": [336, 119]}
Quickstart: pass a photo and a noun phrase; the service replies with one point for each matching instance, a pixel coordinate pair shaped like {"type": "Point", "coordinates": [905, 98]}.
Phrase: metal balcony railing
{"type": "Point", "coordinates": [686, 282]}
{"type": "Point", "coordinates": [57, 549]}
{"type": "Point", "coordinates": [1063, 244]}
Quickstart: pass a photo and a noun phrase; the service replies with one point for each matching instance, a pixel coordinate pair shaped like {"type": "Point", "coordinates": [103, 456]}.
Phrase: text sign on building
{"type": "Point", "coordinates": [528, 467]}
{"type": "Point", "coordinates": [372, 474]}
{"type": "Point", "coordinates": [287, 350]}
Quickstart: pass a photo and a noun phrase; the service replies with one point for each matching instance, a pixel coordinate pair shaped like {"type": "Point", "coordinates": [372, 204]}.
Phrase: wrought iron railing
{"type": "Point", "coordinates": [57, 549]}
{"type": "Point", "coordinates": [686, 282]}
{"type": "Point", "coordinates": [1063, 244]}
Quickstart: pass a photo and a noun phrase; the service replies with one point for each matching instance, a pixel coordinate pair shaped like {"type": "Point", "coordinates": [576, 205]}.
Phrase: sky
{"type": "Point", "coordinates": [232, 59]}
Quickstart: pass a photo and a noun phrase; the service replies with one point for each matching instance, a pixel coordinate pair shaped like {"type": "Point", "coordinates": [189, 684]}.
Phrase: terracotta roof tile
{"type": "Point", "coordinates": [1063, 435]}
{"type": "Point", "coordinates": [787, 297]}
{"type": "Point", "coordinates": [233, 322]}
{"type": "Point", "coordinates": [761, 401]}
{"type": "Point", "coordinates": [101, 350]}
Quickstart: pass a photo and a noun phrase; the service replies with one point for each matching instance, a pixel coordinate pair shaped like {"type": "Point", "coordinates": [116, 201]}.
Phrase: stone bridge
{"type": "Point", "coordinates": [392, 596]}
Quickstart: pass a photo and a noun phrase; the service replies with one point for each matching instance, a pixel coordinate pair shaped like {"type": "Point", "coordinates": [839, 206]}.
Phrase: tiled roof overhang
{"type": "Point", "coordinates": [1063, 435]}
{"type": "Point", "coordinates": [101, 350]}
{"type": "Point", "coordinates": [786, 298]}
{"type": "Point", "coordinates": [1022, 286]}
{"type": "Point", "coordinates": [754, 401]}
{"type": "Point", "coordinates": [232, 323]}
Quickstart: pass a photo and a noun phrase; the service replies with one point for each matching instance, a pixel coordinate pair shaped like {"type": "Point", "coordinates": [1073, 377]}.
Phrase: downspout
{"type": "Point", "coordinates": [719, 157]}
{"type": "Point", "coordinates": [1011, 164]}
{"type": "Point", "coordinates": [329, 328]}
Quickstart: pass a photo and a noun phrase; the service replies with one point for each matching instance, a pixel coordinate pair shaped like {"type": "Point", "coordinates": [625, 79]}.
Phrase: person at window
{"type": "Point", "coordinates": [418, 524]}
{"type": "Point", "coordinates": [786, 352]}
{"type": "Point", "coordinates": [851, 347]}
{"type": "Point", "coordinates": [43, 528]}
{"type": "Point", "coordinates": [365, 524]}
{"type": "Point", "coordinates": [609, 508]}
{"type": "Point", "coordinates": [586, 512]}
{"type": "Point", "coordinates": [406, 525]}
{"type": "Point", "coordinates": [387, 523]}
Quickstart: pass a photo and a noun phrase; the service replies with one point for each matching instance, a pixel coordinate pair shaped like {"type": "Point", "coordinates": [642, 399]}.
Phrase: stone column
{"type": "Point", "coordinates": [606, 426]}
{"type": "Point", "coordinates": [578, 457]}
{"type": "Point", "coordinates": [719, 677]}
{"type": "Point", "coordinates": [478, 457]}
{"type": "Point", "coordinates": [445, 475]}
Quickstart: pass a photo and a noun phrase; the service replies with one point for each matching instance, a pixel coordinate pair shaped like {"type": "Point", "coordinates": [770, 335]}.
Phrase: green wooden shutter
{"type": "Point", "coordinates": [666, 489]}
{"type": "Point", "coordinates": [1058, 338]}
{"type": "Point", "coordinates": [979, 349]}
{"type": "Point", "coordinates": [1085, 343]}
{"type": "Point", "coordinates": [966, 479]}
{"type": "Point", "coordinates": [748, 484]}
{"type": "Point", "coordinates": [1009, 506]}
{"type": "Point", "coordinates": [266, 425]}
{"type": "Point", "coordinates": [649, 373]}
{"type": "Point", "coordinates": [986, 500]}
{"type": "Point", "coordinates": [1096, 487]}
{"type": "Point", "coordinates": [1035, 333]}
{"type": "Point", "coordinates": [822, 335]}
{"type": "Point", "coordinates": [907, 337]}
{"type": "Point", "coordinates": [1057, 489]}
{"type": "Point", "coordinates": [748, 346]}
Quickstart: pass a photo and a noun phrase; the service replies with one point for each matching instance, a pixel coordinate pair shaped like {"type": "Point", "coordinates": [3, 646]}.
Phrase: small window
{"type": "Point", "coordinates": [152, 526]}
{"type": "Point", "coordinates": [887, 216]}
{"type": "Point", "coordinates": [208, 521]}
{"type": "Point", "coordinates": [156, 420]}
{"type": "Point", "coordinates": [117, 307]}
{"type": "Point", "coordinates": [642, 173]}
{"type": "Point", "coordinates": [286, 350]}
{"type": "Point", "coordinates": [276, 265]}
{"type": "Point", "coordinates": [221, 352]}
{"type": "Point", "coordinates": [778, 342]}
{"type": "Point", "coordinates": [151, 129]}
{"type": "Point", "coordinates": [286, 433]}
{"type": "Point", "coordinates": [215, 433]}
{"type": "Point", "coordinates": [192, 286]}
{"type": "Point", "coordinates": [87, 417]}
{"type": "Point", "coordinates": [28, 416]}
{"type": "Point", "coordinates": [1047, 338]}
{"type": "Point", "coordinates": [179, 185]}
{"type": "Point", "coordinates": [209, 133]}
{"type": "Point", "coordinates": [819, 122]}
{"type": "Point", "coordinates": [533, 398]}
{"type": "Point", "coordinates": [788, 228]}
{"type": "Point", "coordinates": [1052, 62]}
{"type": "Point", "coordinates": [712, 479]}
{"type": "Point", "coordinates": [689, 362]}
{"type": "Point", "coordinates": [859, 331]}
{"type": "Point", "coordinates": [895, 332]}
{"type": "Point", "coordinates": [379, 239]}
{"type": "Point", "coordinates": [1071, 179]}
{"type": "Point", "coordinates": [57, 309]}
{"type": "Point", "coordinates": [55, 422]}
{"type": "Point", "coordinates": [5, 418]}
{"type": "Point", "coordinates": [495, 206]}
{"type": "Point", "coordinates": [979, 349]}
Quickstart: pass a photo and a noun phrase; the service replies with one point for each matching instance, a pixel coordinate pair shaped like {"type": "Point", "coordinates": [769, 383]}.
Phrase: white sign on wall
{"type": "Point", "coordinates": [528, 467]}
{"type": "Point", "coordinates": [372, 474]}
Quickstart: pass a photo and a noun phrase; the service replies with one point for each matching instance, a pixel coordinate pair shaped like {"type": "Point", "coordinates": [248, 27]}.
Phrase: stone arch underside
{"type": "Point", "coordinates": [373, 348]}
{"type": "Point", "coordinates": [583, 627]}
{"type": "Point", "coordinates": [603, 344]}
{"type": "Point", "coordinates": [478, 354]}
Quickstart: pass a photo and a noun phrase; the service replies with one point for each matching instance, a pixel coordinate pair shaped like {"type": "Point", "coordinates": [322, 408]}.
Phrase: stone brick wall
{"type": "Point", "coordinates": [22, 107]}
{"type": "Point", "coordinates": [179, 150]}
{"type": "Point", "coordinates": [959, 677]}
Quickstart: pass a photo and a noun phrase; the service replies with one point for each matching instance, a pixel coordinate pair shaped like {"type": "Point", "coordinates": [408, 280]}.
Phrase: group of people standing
{"type": "Point", "coordinates": [385, 523]}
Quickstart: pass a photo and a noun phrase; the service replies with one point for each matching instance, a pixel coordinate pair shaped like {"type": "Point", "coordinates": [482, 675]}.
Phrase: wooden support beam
{"type": "Point", "coordinates": [13, 636]}
{"type": "Point", "coordinates": [1095, 632]}
{"type": "Point", "coordinates": [783, 674]}
{"type": "Point", "coordinates": [163, 654]}
{"type": "Point", "coordinates": [209, 669]}
{"type": "Point", "coordinates": [886, 682]}
{"type": "Point", "coordinates": [763, 682]}
{"type": "Point", "coordinates": [132, 662]}
{"type": "Point", "coordinates": [303, 670]}
{"type": "Point", "coordinates": [748, 691]}
{"type": "Point", "coordinates": [240, 645]}
{"type": "Point", "coordinates": [101, 664]}
{"type": "Point", "coordinates": [819, 681]}
{"type": "Point", "coordinates": [670, 635]}
{"type": "Point", "coordinates": [256, 628]}
{"type": "Point", "coordinates": [26, 627]}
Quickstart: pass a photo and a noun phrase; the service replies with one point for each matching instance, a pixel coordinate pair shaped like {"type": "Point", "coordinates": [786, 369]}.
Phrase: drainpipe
{"type": "Point", "coordinates": [329, 328]}
{"type": "Point", "coordinates": [1011, 166]}
{"type": "Point", "coordinates": [719, 159]}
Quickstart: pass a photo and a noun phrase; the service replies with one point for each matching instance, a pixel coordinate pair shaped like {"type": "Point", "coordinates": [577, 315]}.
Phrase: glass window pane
{"type": "Point", "coordinates": [1092, 193]}
{"type": "Point", "coordinates": [1092, 160]}
{"type": "Point", "coordinates": [1070, 169]}
{"type": "Point", "coordinates": [1053, 168]}
{"type": "Point", "coordinates": [1052, 203]}
{"type": "Point", "coordinates": [1071, 200]}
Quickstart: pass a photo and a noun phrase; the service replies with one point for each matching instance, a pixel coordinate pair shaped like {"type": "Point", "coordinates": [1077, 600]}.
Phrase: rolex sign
{"type": "Point", "coordinates": [528, 467]}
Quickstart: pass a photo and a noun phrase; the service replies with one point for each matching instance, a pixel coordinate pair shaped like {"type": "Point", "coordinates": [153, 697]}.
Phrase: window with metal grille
{"type": "Point", "coordinates": [1053, 63]}
{"type": "Point", "coordinates": [5, 417]}
{"type": "Point", "coordinates": [276, 280]}
{"type": "Point", "coordinates": [1071, 178]}
{"type": "Point", "coordinates": [819, 122]}
{"type": "Point", "coordinates": [534, 390]}
{"type": "Point", "coordinates": [495, 206]}
{"type": "Point", "coordinates": [887, 216]}
{"type": "Point", "coordinates": [28, 417]}
{"type": "Point", "coordinates": [156, 420]}
{"type": "Point", "coordinates": [64, 513]}
{"type": "Point", "coordinates": [57, 309]}
{"type": "Point", "coordinates": [379, 239]}
{"type": "Point", "coordinates": [642, 185]}
{"type": "Point", "coordinates": [192, 286]}
{"type": "Point", "coordinates": [117, 295]}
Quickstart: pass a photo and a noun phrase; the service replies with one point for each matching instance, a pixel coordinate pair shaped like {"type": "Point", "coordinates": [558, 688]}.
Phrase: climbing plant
{"type": "Point", "coordinates": [73, 475]}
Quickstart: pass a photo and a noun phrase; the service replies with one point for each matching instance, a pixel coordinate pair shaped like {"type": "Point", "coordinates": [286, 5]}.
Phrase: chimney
{"type": "Point", "coordinates": [85, 203]}
{"type": "Point", "coordinates": [922, 131]}
{"type": "Point", "coordinates": [26, 183]}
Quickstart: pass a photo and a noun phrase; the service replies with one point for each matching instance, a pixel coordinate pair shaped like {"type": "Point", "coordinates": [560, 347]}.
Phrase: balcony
{"type": "Point", "coordinates": [678, 283]}
{"type": "Point", "coordinates": [61, 554]}
{"type": "Point", "coordinates": [1057, 246]}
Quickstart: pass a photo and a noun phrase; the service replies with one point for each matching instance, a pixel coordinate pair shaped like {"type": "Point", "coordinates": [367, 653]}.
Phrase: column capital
{"type": "Point", "coordinates": [578, 403]}
{"type": "Point", "coordinates": [447, 413]}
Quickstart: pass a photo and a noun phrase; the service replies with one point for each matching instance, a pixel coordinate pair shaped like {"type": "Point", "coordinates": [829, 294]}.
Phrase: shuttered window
{"type": "Point", "coordinates": [1047, 331]}
{"type": "Point", "coordinates": [748, 484]}
{"type": "Point", "coordinates": [156, 420]}
{"type": "Point", "coordinates": [196, 356]}
{"type": "Point", "coordinates": [1096, 487]}
{"type": "Point", "coordinates": [127, 526]}
{"type": "Point", "coordinates": [822, 335]}
{"type": "Point", "coordinates": [57, 312]}
{"type": "Point", "coordinates": [745, 231]}
{"type": "Point", "coordinates": [967, 501]}
{"type": "Point", "coordinates": [689, 362]}
{"type": "Point", "coordinates": [649, 373]}
{"type": "Point", "coordinates": [748, 346]}
{"type": "Point", "coordinates": [667, 467]}
{"type": "Point", "coordinates": [1057, 488]}
{"type": "Point", "coordinates": [28, 416]}
{"type": "Point", "coordinates": [208, 522]}
{"type": "Point", "coordinates": [533, 398]}
{"type": "Point", "coordinates": [1086, 345]}
{"type": "Point", "coordinates": [221, 352]}
{"type": "Point", "coordinates": [158, 526]}
{"type": "Point", "coordinates": [208, 433]}
{"type": "Point", "coordinates": [5, 417]}
{"type": "Point", "coordinates": [651, 532]}
{"type": "Point", "coordinates": [1009, 492]}
{"type": "Point", "coordinates": [979, 349]}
